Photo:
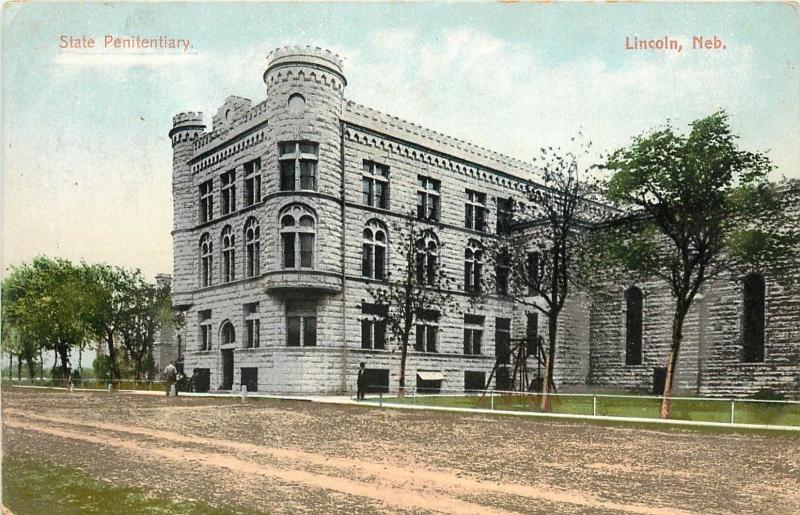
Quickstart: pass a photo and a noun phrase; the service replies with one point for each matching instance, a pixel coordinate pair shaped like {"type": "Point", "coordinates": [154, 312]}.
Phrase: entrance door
{"type": "Point", "coordinates": [659, 378]}
{"type": "Point", "coordinates": [227, 369]}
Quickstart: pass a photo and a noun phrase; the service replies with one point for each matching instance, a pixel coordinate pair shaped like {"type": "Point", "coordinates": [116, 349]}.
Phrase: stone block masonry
{"type": "Point", "coordinates": [284, 295]}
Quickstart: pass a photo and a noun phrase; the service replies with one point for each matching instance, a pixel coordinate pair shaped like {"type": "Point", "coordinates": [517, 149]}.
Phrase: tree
{"type": "Point", "coordinates": [699, 206]}
{"type": "Point", "coordinates": [47, 302]}
{"type": "Point", "coordinates": [419, 285]}
{"type": "Point", "coordinates": [113, 293]}
{"type": "Point", "coordinates": [149, 309]}
{"type": "Point", "coordinates": [14, 340]}
{"type": "Point", "coordinates": [545, 250]}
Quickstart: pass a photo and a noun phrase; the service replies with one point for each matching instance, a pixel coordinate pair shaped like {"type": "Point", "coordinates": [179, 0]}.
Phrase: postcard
{"type": "Point", "coordinates": [382, 257]}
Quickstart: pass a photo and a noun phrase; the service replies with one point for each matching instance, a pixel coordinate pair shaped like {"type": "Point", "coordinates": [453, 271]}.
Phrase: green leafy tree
{"type": "Point", "coordinates": [114, 292]}
{"type": "Point", "coordinates": [15, 340]}
{"type": "Point", "coordinates": [47, 302]}
{"type": "Point", "coordinates": [418, 284]}
{"type": "Point", "coordinates": [699, 206]}
{"type": "Point", "coordinates": [149, 309]}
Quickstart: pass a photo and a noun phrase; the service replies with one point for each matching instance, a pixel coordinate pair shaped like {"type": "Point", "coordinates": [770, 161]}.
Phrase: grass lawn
{"type": "Point", "coordinates": [698, 410]}
{"type": "Point", "coordinates": [35, 487]}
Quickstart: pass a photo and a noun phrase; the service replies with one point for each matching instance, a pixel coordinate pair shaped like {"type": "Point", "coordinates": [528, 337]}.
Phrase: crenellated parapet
{"type": "Point", "coordinates": [371, 119]}
{"type": "Point", "coordinates": [307, 64]}
{"type": "Point", "coordinates": [186, 127]}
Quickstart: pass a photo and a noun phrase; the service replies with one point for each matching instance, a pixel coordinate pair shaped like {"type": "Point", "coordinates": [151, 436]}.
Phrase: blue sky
{"type": "Point", "coordinates": [87, 161]}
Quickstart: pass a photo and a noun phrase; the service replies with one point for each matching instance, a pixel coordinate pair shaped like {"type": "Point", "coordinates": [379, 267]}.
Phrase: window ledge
{"type": "Point", "coordinates": [303, 279]}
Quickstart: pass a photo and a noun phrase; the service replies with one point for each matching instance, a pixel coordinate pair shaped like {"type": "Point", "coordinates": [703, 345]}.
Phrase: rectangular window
{"type": "Point", "coordinates": [373, 325]}
{"type": "Point", "coordinates": [293, 331]}
{"type": "Point", "coordinates": [298, 165]}
{"type": "Point", "coordinates": [288, 249]}
{"type": "Point", "coordinates": [474, 380]}
{"type": "Point", "coordinates": [505, 215]}
{"type": "Point", "coordinates": [309, 331]}
{"type": "Point", "coordinates": [204, 335]}
{"type": "Point", "coordinates": [375, 185]}
{"type": "Point", "coordinates": [427, 330]}
{"type": "Point", "coordinates": [306, 250]}
{"type": "Point", "coordinates": [228, 180]}
{"type": "Point", "coordinates": [252, 325]}
{"type": "Point", "coordinates": [301, 325]}
{"type": "Point", "coordinates": [252, 182]}
{"type": "Point", "coordinates": [533, 273]}
{"type": "Point", "coordinates": [207, 201]}
{"type": "Point", "coordinates": [287, 176]}
{"type": "Point", "coordinates": [475, 210]}
{"type": "Point", "coordinates": [428, 192]}
{"type": "Point", "coordinates": [502, 340]}
{"type": "Point", "coordinates": [366, 260]}
{"type": "Point", "coordinates": [532, 334]}
{"type": "Point", "coordinates": [473, 334]}
{"type": "Point", "coordinates": [502, 272]}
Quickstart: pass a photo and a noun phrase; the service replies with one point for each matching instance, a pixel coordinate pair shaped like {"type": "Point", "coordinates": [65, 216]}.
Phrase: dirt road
{"type": "Point", "coordinates": [296, 457]}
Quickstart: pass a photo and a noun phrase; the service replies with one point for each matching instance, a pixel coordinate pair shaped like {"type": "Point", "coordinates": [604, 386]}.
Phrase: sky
{"type": "Point", "coordinates": [87, 160]}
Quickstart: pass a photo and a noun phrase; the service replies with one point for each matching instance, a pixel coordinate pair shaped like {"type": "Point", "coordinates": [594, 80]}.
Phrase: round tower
{"type": "Point", "coordinates": [305, 91]}
{"type": "Point", "coordinates": [186, 129]}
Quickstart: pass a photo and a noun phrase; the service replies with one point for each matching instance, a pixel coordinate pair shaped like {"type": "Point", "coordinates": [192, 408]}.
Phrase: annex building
{"type": "Point", "coordinates": [283, 217]}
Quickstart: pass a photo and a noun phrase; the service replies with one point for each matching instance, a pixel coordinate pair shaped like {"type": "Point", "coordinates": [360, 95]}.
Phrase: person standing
{"type": "Point", "coordinates": [171, 377]}
{"type": "Point", "coordinates": [361, 382]}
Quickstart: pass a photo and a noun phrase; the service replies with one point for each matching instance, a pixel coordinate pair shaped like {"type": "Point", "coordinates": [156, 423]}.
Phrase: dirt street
{"type": "Point", "coordinates": [302, 457]}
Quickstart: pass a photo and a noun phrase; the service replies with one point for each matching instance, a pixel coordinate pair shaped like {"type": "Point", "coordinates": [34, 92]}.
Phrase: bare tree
{"type": "Point", "coordinates": [543, 253]}
{"type": "Point", "coordinates": [417, 286]}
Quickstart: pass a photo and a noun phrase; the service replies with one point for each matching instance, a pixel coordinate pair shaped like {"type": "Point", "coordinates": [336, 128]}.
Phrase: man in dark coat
{"type": "Point", "coordinates": [362, 381]}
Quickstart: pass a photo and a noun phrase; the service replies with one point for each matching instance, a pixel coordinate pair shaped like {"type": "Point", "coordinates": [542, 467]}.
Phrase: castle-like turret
{"type": "Point", "coordinates": [186, 129]}
{"type": "Point", "coordinates": [305, 92]}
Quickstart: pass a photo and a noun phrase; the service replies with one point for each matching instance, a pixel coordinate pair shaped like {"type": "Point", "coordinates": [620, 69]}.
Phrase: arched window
{"type": "Point", "coordinates": [473, 266]}
{"type": "Point", "coordinates": [297, 236]}
{"type": "Point", "coordinates": [206, 259]}
{"type": "Point", "coordinates": [427, 248]}
{"type": "Point", "coordinates": [252, 248]}
{"type": "Point", "coordinates": [753, 318]}
{"type": "Point", "coordinates": [373, 257]}
{"type": "Point", "coordinates": [633, 326]}
{"type": "Point", "coordinates": [228, 333]}
{"type": "Point", "coordinates": [228, 255]}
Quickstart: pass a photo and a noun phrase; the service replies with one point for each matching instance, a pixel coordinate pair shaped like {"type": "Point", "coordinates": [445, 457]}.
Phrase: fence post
{"type": "Point", "coordinates": [492, 400]}
{"type": "Point", "coordinates": [733, 402]}
{"type": "Point", "coordinates": [109, 387]}
{"type": "Point", "coordinates": [414, 396]}
{"type": "Point", "coordinates": [594, 405]}
{"type": "Point", "coordinates": [380, 398]}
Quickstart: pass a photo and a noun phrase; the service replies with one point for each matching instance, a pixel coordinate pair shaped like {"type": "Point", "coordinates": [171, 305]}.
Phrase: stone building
{"type": "Point", "coordinates": [283, 216]}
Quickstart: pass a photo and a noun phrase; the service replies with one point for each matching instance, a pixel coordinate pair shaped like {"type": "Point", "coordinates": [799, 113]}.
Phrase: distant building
{"type": "Point", "coordinates": [282, 218]}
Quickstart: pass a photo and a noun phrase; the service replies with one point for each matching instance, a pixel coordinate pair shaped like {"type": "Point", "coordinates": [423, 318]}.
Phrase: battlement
{"type": "Point", "coordinates": [188, 118]}
{"type": "Point", "coordinates": [371, 118]}
{"type": "Point", "coordinates": [312, 56]}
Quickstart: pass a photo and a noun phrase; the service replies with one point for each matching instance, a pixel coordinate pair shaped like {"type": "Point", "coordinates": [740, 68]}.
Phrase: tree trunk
{"type": "Point", "coordinates": [63, 352]}
{"type": "Point", "coordinates": [41, 365]}
{"type": "Point", "coordinates": [10, 367]}
{"type": "Point", "coordinates": [80, 361]}
{"type": "Point", "coordinates": [403, 354]}
{"type": "Point", "coordinates": [677, 336]}
{"type": "Point", "coordinates": [31, 368]}
{"type": "Point", "coordinates": [112, 354]}
{"type": "Point", "coordinates": [552, 327]}
{"type": "Point", "coordinates": [19, 368]}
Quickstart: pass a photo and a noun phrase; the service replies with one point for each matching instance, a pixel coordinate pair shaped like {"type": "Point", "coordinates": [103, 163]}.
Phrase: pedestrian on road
{"type": "Point", "coordinates": [171, 377]}
{"type": "Point", "coordinates": [362, 381]}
